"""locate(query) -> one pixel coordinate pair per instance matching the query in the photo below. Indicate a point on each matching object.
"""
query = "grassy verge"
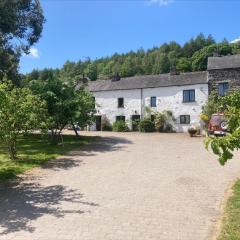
(34, 150)
(231, 220)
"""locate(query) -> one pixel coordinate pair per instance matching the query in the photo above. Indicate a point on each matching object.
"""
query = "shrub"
(135, 125)
(106, 125)
(213, 105)
(164, 122)
(107, 128)
(192, 131)
(146, 125)
(120, 126)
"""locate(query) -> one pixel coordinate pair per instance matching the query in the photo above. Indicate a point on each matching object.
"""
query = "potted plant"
(192, 131)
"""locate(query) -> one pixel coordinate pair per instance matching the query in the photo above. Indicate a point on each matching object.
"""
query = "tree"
(21, 25)
(91, 71)
(20, 112)
(157, 60)
(213, 105)
(224, 147)
(194, 45)
(184, 65)
(65, 104)
(200, 58)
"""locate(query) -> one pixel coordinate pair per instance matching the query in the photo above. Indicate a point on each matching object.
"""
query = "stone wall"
(224, 75)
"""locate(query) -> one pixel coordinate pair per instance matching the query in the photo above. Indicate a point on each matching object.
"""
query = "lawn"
(231, 221)
(34, 150)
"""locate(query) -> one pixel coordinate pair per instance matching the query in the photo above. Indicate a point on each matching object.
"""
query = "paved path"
(126, 186)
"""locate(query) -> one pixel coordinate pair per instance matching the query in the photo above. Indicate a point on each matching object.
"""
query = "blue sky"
(77, 29)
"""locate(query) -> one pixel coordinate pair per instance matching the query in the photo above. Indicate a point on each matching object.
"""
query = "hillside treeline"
(191, 56)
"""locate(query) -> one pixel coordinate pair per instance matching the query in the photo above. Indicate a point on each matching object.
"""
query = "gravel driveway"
(125, 186)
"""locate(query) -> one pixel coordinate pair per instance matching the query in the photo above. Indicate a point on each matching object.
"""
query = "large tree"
(21, 24)
(65, 104)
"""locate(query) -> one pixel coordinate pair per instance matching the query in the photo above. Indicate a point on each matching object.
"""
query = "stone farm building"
(184, 94)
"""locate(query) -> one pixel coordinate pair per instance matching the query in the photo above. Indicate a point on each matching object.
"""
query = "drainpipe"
(141, 103)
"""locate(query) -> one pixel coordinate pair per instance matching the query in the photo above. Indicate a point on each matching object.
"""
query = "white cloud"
(160, 2)
(33, 53)
(235, 40)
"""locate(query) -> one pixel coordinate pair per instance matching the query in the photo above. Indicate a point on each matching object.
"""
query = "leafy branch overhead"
(21, 26)
(224, 147)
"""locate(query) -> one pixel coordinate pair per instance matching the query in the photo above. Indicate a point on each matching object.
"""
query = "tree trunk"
(56, 135)
(12, 149)
(75, 130)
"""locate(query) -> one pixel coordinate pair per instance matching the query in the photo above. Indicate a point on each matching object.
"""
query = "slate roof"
(149, 81)
(224, 62)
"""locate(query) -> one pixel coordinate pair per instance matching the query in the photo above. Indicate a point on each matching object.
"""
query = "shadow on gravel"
(100, 145)
(22, 202)
(25, 202)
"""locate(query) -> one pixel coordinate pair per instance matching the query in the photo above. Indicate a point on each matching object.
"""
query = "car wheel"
(224, 125)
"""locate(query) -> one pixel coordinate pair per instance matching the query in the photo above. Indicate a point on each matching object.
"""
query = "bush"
(213, 105)
(106, 125)
(120, 126)
(146, 125)
(164, 122)
(135, 125)
(107, 128)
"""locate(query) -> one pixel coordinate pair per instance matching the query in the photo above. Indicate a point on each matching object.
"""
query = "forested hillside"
(192, 56)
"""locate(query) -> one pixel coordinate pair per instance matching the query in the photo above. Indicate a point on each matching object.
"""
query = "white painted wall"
(168, 98)
(171, 98)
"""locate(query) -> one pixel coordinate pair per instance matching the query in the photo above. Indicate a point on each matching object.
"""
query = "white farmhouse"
(184, 94)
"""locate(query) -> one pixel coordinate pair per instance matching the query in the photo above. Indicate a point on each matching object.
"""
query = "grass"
(33, 151)
(231, 220)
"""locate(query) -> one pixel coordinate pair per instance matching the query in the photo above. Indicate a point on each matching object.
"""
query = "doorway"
(98, 123)
(135, 122)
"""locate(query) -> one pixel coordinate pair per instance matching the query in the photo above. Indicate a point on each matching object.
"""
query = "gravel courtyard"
(124, 186)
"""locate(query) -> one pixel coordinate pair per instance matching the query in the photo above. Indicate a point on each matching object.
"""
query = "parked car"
(218, 125)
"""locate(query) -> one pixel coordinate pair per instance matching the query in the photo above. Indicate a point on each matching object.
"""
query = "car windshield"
(217, 119)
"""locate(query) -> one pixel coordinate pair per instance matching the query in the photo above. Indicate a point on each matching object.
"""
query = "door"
(135, 122)
(98, 123)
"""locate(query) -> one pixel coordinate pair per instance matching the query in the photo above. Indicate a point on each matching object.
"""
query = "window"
(223, 88)
(120, 102)
(153, 101)
(120, 118)
(184, 119)
(189, 95)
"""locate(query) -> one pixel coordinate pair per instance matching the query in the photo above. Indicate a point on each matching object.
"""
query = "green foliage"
(120, 126)
(20, 111)
(224, 147)
(200, 58)
(20, 26)
(146, 125)
(35, 150)
(65, 104)
(213, 105)
(164, 121)
(153, 61)
(106, 125)
(184, 65)
(231, 220)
